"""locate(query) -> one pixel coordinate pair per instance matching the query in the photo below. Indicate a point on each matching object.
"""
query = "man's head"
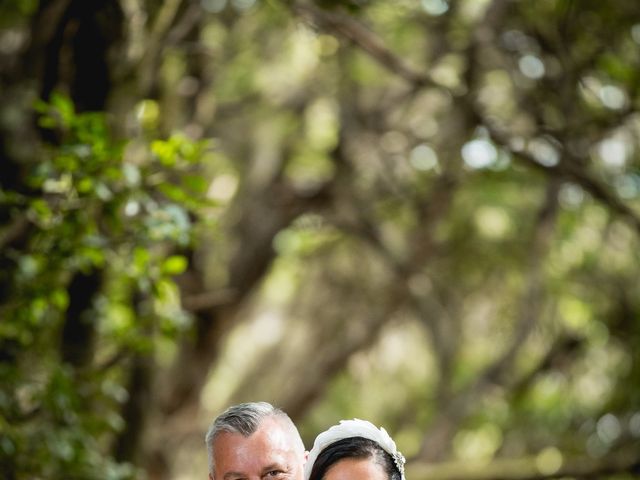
(254, 441)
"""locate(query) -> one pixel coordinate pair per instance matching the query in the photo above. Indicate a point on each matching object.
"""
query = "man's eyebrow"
(230, 475)
(274, 466)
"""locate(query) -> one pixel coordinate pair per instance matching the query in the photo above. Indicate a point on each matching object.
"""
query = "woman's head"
(354, 457)
(354, 449)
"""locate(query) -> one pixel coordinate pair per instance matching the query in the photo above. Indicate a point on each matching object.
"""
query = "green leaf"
(165, 152)
(64, 106)
(174, 265)
(195, 183)
(173, 192)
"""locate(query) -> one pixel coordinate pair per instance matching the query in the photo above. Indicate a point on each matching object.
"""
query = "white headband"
(349, 429)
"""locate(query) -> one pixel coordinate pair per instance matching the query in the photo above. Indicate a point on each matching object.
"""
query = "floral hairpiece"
(354, 428)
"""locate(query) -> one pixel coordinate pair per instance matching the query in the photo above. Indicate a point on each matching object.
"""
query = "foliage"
(421, 213)
(93, 205)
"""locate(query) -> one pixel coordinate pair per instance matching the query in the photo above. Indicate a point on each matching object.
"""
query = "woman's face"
(356, 469)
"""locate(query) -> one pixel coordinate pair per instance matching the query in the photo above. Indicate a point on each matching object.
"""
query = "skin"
(356, 469)
(273, 452)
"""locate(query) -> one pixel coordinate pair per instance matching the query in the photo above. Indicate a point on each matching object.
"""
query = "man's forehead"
(276, 427)
(269, 447)
(272, 435)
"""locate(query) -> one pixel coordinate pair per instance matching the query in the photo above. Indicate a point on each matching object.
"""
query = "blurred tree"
(423, 213)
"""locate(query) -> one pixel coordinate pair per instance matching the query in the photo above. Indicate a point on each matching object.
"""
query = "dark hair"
(353, 447)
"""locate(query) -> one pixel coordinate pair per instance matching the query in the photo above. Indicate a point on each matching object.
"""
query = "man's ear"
(210, 476)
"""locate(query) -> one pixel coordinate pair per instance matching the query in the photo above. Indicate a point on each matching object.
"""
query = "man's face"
(273, 452)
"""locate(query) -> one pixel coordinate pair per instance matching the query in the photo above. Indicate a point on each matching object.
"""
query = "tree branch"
(455, 406)
(568, 168)
(369, 42)
(351, 29)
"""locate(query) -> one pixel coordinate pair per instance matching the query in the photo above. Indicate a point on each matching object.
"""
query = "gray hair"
(244, 418)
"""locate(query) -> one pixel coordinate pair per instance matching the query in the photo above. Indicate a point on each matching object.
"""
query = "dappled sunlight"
(479, 444)
(421, 213)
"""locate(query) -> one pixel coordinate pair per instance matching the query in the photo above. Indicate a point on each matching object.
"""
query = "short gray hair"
(244, 418)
